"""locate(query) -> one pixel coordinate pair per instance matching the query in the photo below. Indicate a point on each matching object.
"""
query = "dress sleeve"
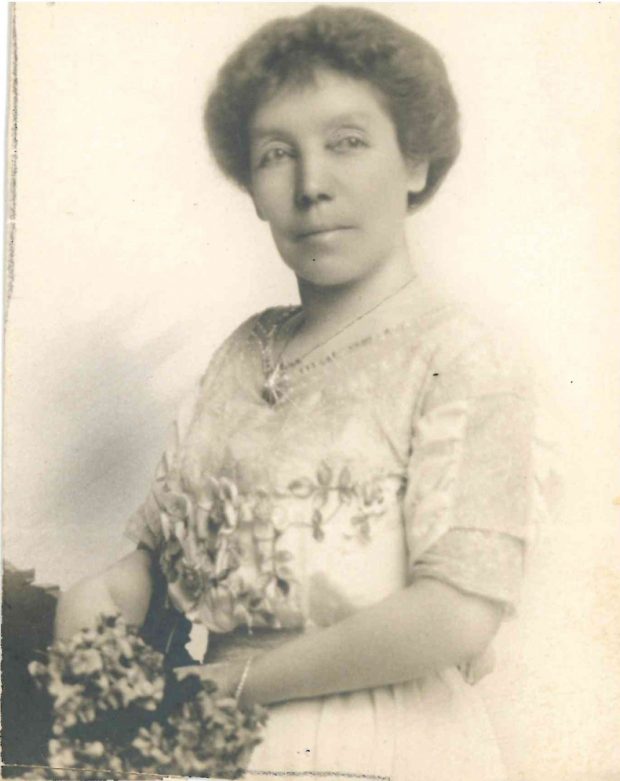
(144, 526)
(469, 496)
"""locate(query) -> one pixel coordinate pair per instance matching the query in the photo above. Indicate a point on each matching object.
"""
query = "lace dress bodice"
(409, 454)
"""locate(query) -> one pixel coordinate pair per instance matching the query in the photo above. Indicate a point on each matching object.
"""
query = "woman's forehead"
(330, 97)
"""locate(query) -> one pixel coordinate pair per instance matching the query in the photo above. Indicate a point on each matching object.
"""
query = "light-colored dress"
(407, 455)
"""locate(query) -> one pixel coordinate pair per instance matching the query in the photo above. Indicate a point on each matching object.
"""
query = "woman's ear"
(418, 175)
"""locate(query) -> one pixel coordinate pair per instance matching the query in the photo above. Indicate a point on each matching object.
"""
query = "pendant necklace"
(276, 386)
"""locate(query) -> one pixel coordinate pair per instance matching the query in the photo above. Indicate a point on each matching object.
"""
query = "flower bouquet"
(118, 712)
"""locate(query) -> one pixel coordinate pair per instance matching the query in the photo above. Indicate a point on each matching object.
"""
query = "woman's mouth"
(322, 233)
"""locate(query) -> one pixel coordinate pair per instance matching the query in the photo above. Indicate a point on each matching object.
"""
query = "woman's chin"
(326, 271)
(327, 280)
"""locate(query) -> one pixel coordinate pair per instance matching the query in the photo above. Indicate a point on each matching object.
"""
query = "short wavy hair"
(407, 71)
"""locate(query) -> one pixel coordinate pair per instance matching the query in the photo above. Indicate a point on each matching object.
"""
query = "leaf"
(228, 490)
(324, 474)
(285, 572)
(344, 479)
(165, 524)
(283, 586)
(321, 497)
(301, 488)
(346, 489)
(317, 526)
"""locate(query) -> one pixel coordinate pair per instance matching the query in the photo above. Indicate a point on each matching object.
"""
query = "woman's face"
(330, 179)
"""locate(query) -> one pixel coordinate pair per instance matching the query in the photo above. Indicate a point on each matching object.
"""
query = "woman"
(371, 447)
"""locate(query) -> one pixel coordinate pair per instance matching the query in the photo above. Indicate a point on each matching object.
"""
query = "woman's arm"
(125, 586)
(426, 627)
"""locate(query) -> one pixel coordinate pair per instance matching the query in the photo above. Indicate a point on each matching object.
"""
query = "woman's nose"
(313, 183)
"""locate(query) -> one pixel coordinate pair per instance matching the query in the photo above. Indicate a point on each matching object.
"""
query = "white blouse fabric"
(410, 454)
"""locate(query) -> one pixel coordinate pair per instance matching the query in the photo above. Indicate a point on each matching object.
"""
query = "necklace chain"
(276, 384)
(341, 330)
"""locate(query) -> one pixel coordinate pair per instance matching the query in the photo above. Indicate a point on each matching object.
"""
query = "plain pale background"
(134, 258)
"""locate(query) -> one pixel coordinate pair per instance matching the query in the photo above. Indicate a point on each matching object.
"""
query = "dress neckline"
(420, 303)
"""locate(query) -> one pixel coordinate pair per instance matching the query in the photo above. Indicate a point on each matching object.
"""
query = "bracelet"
(242, 680)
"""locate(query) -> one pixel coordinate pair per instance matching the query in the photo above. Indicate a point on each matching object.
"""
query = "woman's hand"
(425, 628)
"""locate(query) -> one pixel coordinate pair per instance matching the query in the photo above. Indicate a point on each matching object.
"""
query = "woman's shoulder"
(264, 320)
(241, 341)
(441, 322)
(461, 341)
(455, 327)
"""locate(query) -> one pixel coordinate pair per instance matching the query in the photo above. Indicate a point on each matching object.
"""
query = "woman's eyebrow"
(349, 118)
(260, 135)
(357, 118)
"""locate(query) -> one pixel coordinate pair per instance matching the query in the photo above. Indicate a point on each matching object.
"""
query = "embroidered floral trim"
(221, 550)
(329, 493)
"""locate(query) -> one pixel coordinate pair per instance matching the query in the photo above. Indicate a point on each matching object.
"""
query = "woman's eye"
(349, 142)
(274, 155)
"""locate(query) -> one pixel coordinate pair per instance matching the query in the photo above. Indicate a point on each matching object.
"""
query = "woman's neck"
(326, 308)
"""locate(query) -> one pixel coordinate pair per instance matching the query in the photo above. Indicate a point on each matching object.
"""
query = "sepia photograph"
(311, 392)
